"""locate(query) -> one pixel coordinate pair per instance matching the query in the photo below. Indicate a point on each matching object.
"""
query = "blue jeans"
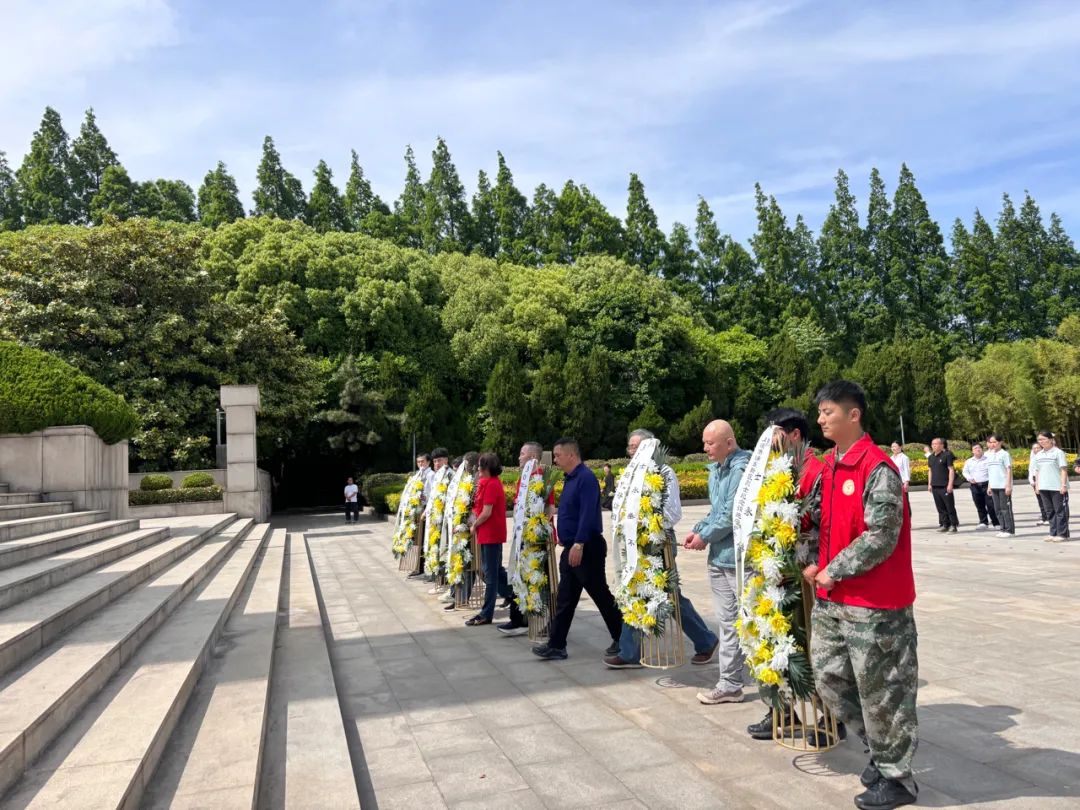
(495, 581)
(693, 625)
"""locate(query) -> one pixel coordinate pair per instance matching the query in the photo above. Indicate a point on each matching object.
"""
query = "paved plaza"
(442, 715)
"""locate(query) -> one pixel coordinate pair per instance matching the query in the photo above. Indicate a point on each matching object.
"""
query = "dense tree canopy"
(502, 317)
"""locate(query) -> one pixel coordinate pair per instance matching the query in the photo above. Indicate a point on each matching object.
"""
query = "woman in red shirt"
(489, 528)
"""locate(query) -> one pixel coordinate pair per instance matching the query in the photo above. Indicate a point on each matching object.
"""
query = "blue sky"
(979, 98)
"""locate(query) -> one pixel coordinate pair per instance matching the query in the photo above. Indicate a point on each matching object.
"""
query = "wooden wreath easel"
(540, 623)
(665, 649)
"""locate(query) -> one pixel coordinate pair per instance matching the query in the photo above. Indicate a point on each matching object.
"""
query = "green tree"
(485, 223)
(918, 292)
(10, 205)
(644, 242)
(219, 199)
(587, 394)
(325, 210)
(685, 436)
(582, 226)
(446, 224)
(539, 228)
(91, 155)
(44, 186)
(115, 196)
(506, 421)
(875, 237)
(171, 200)
(360, 201)
(774, 254)
(651, 420)
(278, 193)
(680, 259)
(845, 298)
(981, 300)
(511, 214)
(409, 207)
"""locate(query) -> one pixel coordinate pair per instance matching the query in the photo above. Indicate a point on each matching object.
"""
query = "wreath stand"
(471, 590)
(665, 649)
(540, 623)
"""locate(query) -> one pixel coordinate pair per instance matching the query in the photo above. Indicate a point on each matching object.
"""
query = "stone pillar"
(242, 495)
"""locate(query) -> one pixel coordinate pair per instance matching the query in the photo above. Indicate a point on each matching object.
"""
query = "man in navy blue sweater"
(581, 565)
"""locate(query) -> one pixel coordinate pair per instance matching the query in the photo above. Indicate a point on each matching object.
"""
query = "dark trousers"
(590, 577)
(946, 507)
(1057, 506)
(983, 504)
(1003, 507)
(1043, 509)
(495, 581)
(352, 508)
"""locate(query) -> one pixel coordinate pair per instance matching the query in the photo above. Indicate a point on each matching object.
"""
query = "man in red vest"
(863, 639)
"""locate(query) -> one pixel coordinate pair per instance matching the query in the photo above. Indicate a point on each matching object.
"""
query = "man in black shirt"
(942, 478)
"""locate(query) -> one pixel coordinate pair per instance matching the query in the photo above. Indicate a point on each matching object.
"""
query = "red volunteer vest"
(889, 586)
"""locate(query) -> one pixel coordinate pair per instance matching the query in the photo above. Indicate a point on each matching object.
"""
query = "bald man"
(727, 463)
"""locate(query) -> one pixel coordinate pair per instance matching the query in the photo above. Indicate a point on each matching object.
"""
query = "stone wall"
(68, 464)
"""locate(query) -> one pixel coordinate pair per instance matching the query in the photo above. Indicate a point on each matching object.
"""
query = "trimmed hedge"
(376, 487)
(155, 482)
(138, 497)
(197, 480)
(38, 391)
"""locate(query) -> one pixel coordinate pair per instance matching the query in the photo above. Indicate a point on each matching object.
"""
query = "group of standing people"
(989, 476)
(857, 560)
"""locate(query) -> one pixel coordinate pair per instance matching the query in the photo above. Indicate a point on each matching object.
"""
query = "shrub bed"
(197, 480)
(38, 391)
(137, 497)
(155, 482)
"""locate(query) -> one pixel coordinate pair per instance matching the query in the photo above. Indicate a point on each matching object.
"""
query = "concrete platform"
(442, 715)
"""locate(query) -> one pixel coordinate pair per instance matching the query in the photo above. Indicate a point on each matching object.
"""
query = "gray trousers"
(733, 669)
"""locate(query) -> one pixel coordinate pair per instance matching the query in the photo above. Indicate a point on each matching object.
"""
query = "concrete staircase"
(178, 663)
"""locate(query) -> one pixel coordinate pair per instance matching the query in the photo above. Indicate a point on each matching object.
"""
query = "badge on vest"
(848, 488)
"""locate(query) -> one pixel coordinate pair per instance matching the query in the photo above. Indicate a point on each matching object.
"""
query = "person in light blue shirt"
(1052, 481)
(728, 462)
(999, 483)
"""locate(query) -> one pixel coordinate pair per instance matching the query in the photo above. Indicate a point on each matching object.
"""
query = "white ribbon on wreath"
(520, 508)
(625, 509)
(744, 512)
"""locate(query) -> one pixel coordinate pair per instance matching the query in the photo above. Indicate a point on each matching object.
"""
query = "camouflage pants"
(867, 672)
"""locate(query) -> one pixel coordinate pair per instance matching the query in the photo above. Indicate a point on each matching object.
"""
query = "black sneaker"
(884, 794)
(613, 649)
(763, 729)
(870, 774)
(954, 529)
(507, 602)
(549, 653)
(451, 606)
(943, 529)
(415, 574)
(511, 629)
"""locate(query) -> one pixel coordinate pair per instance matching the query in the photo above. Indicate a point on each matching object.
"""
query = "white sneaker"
(1055, 539)
(1050, 539)
(1003, 535)
(435, 590)
(447, 597)
(982, 527)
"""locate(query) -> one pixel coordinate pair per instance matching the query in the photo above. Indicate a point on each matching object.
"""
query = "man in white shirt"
(977, 474)
(999, 485)
(695, 628)
(427, 475)
(903, 464)
(352, 505)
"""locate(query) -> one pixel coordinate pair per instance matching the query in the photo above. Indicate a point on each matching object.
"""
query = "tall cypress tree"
(485, 226)
(115, 196)
(539, 228)
(644, 241)
(170, 200)
(360, 200)
(219, 199)
(981, 302)
(918, 276)
(409, 207)
(711, 246)
(91, 155)
(10, 206)
(843, 287)
(680, 257)
(446, 224)
(875, 238)
(511, 212)
(325, 210)
(278, 193)
(1063, 263)
(772, 244)
(582, 226)
(44, 176)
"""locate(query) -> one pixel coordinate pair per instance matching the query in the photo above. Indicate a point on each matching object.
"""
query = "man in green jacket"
(715, 533)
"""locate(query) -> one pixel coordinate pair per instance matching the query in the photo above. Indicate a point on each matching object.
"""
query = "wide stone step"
(24, 549)
(9, 498)
(14, 529)
(37, 576)
(110, 752)
(307, 761)
(18, 511)
(213, 756)
(39, 699)
(28, 626)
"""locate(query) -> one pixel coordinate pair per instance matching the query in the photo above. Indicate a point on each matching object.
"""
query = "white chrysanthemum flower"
(770, 567)
(775, 594)
(779, 465)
